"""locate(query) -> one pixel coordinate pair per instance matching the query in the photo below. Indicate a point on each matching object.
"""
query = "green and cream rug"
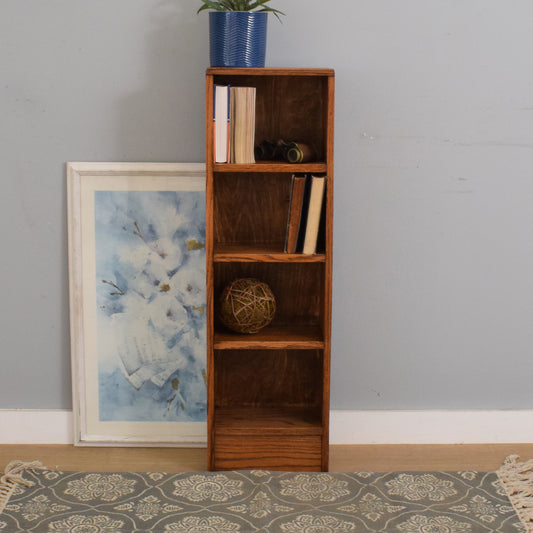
(34, 499)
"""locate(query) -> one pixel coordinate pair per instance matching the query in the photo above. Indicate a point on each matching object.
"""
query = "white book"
(221, 119)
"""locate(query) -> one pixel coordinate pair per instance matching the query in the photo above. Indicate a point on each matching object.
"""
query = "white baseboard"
(431, 427)
(347, 427)
(22, 426)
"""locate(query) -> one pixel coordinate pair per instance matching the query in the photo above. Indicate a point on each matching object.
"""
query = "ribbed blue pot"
(237, 38)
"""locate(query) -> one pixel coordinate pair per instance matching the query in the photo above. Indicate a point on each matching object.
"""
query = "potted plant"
(237, 31)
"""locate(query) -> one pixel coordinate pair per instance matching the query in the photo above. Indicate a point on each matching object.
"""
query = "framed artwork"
(137, 302)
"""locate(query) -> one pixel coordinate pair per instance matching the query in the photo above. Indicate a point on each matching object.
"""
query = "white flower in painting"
(307, 487)
(195, 524)
(200, 487)
(190, 285)
(167, 316)
(166, 220)
(105, 487)
(317, 524)
(86, 524)
(3, 525)
(159, 256)
(418, 487)
(437, 524)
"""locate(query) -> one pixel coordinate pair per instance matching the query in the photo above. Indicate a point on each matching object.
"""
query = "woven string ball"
(247, 305)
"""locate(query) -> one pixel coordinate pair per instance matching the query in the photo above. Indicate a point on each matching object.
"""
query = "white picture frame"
(136, 234)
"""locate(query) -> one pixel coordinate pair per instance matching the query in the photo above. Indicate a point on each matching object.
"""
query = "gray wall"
(433, 284)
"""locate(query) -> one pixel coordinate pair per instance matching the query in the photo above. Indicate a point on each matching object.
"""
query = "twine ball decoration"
(247, 305)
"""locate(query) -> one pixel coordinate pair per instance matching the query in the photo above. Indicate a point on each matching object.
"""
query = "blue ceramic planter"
(237, 38)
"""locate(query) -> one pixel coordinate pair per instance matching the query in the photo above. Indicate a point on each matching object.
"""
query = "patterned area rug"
(34, 499)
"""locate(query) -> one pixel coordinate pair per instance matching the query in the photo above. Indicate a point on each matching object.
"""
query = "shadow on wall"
(165, 120)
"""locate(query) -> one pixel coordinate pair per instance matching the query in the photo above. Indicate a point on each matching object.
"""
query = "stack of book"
(234, 124)
(306, 214)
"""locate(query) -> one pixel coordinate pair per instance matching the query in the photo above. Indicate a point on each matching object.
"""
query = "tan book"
(316, 197)
(242, 125)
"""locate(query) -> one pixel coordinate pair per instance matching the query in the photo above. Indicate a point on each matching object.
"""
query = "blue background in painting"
(150, 282)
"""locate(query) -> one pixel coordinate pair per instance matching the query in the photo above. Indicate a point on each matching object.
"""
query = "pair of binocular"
(292, 151)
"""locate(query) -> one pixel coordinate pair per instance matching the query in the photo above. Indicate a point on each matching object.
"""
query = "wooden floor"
(377, 458)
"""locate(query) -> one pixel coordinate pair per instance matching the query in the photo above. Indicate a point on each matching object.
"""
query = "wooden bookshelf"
(268, 393)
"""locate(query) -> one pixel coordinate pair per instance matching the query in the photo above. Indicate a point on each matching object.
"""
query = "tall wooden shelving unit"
(268, 393)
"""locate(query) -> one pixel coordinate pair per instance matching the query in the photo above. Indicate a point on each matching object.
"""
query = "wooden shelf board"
(250, 420)
(272, 166)
(270, 71)
(273, 338)
(240, 253)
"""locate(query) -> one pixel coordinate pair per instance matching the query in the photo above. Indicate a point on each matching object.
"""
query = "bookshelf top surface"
(269, 71)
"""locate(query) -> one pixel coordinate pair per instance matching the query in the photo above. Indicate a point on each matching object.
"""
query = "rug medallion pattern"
(259, 501)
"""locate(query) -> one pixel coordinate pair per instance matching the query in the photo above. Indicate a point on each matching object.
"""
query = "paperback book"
(234, 124)
(306, 214)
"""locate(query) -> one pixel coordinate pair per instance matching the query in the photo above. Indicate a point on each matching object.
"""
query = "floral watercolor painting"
(137, 298)
(150, 297)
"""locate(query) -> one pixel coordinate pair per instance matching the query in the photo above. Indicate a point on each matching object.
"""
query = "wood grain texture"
(272, 337)
(346, 458)
(251, 209)
(209, 248)
(272, 166)
(258, 421)
(268, 378)
(274, 451)
(327, 279)
(291, 72)
(262, 253)
(287, 365)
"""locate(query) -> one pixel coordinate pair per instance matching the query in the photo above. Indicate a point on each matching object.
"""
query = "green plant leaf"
(240, 5)
(209, 4)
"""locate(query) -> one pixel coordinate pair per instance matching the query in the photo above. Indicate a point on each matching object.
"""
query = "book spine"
(316, 198)
(291, 209)
(214, 123)
(220, 111)
(303, 216)
(228, 119)
(295, 211)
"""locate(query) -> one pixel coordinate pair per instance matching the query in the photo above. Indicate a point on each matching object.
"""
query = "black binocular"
(290, 151)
